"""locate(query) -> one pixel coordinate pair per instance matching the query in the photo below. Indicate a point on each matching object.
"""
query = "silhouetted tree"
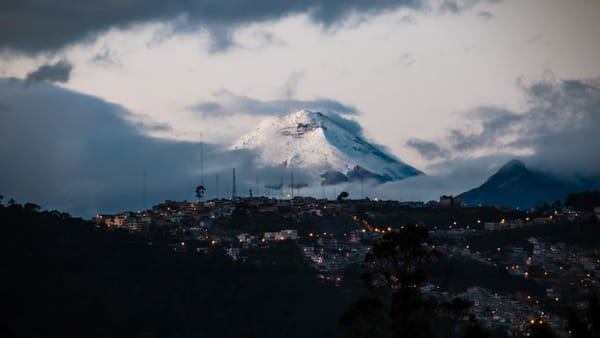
(588, 324)
(540, 329)
(395, 261)
(454, 309)
(393, 275)
(474, 330)
(200, 192)
(31, 207)
(365, 319)
(342, 196)
(584, 201)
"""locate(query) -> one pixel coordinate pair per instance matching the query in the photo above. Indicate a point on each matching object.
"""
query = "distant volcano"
(516, 186)
(320, 145)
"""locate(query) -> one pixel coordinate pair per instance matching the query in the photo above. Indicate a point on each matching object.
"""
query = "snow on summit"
(322, 145)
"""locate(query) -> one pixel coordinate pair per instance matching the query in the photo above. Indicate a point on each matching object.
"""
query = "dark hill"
(62, 277)
(516, 186)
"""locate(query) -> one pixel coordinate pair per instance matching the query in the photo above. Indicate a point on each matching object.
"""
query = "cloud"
(559, 130)
(447, 178)
(32, 26)
(406, 60)
(459, 6)
(106, 58)
(228, 104)
(535, 38)
(80, 154)
(58, 72)
(291, 85)
(427, 149)
(485, 15)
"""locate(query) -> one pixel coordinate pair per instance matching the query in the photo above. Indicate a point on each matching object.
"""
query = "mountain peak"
(513, 165)
(313, 141)
(514, 185)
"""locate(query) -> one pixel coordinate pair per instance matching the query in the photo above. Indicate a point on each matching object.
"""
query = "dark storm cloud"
(560, 127)
(58, 72)
(34, 26)
(80, 154)
(228, 104)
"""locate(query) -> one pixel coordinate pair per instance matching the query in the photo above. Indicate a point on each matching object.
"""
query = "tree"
(342, 196)
(588, 324)
(364, 319)
(393, 275)
(474, 330)
(31, 207)
(540, 329)
(395, 262)
(200, 192)
(454, 309)
(584, 201)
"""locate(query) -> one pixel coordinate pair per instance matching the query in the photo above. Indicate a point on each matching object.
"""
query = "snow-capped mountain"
(323, 146)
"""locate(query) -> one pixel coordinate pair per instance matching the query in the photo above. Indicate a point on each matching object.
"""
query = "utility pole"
(201, 161)
(233, 192)
(281, 188)
(362, 189)
(144, 189)
(217, 182)
(292, 179)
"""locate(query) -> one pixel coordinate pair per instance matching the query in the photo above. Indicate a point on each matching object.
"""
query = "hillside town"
(335, 235)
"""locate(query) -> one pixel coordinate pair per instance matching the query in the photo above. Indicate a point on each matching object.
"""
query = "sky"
(92, 95)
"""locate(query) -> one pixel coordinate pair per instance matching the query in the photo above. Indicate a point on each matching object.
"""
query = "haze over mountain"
(516, 186)
(326, 146)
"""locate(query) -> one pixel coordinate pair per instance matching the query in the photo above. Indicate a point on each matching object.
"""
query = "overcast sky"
(440, 83)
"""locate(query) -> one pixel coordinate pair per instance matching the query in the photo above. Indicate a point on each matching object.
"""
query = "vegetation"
(62, 277)
(200, 192)
(394, 272)
(584, 201)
